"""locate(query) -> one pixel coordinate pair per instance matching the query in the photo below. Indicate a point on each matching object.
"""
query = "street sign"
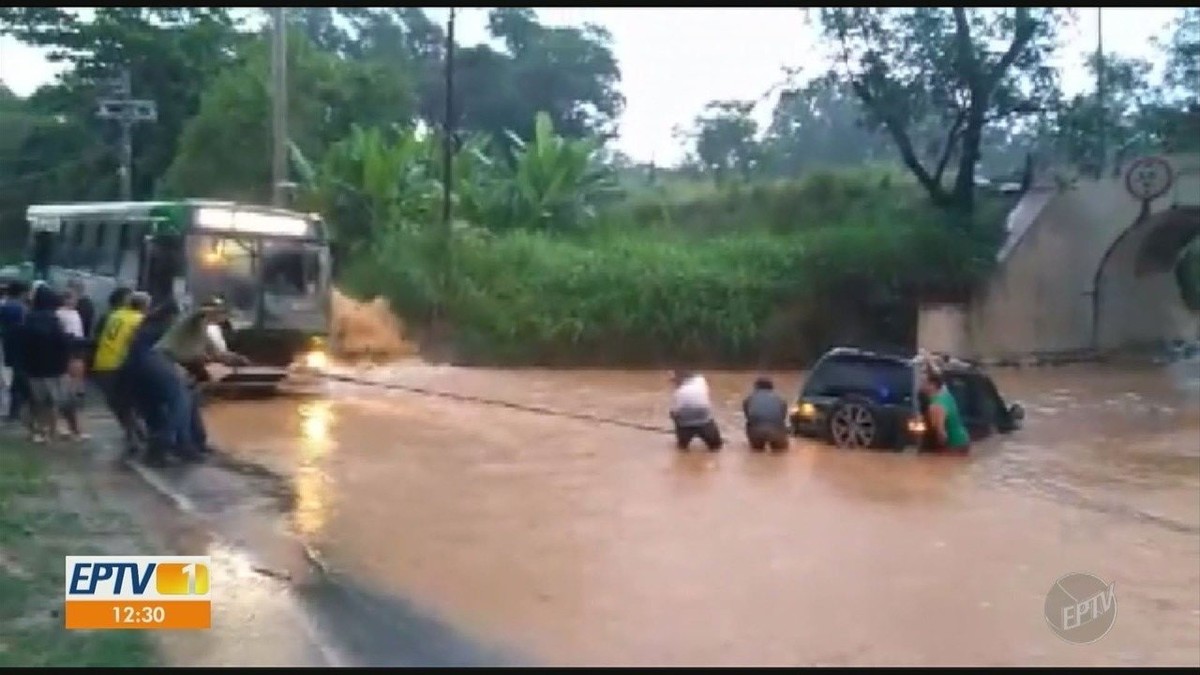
(135, 110)
(1149, 178)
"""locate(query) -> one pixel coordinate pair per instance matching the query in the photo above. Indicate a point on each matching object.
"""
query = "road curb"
(330, 654)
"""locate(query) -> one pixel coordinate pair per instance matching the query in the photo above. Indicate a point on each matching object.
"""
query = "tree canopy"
(946, 93)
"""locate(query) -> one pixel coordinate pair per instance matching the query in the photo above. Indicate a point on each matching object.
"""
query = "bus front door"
(162, 267)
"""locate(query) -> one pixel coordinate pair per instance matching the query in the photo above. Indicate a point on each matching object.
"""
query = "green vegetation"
(835, 257)
(1187, 274)
(37, 529)
(858, 197)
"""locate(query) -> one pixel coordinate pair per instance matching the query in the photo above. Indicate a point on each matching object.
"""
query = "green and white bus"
(271, 266)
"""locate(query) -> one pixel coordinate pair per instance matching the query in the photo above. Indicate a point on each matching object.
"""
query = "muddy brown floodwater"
(579, 543)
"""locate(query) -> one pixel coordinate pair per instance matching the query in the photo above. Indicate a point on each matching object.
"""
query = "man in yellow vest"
(112, 345)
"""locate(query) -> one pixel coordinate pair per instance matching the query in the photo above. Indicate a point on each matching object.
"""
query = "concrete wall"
(1138, 309)
(1040, 297)
(941, 327)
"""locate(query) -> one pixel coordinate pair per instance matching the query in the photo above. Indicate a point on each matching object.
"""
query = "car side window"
(977, 399)
(832, 376)
(817, 380)
(850, 375)
(991, 407)
(960, 388)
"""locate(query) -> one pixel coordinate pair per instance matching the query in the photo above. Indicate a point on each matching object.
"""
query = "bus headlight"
(316, 360)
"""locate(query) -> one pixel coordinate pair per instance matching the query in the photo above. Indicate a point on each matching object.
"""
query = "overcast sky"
(673, 61)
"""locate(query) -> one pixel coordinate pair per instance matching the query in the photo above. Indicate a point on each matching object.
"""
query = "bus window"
(66, 246)
(226, 267)
(84, 253)
(77, 232)
(43, 253)
(105, 261)
(124, 235)
(290, 268)
(163, 265)
(129, 249)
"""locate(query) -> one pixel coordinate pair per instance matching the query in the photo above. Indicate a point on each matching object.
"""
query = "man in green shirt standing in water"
(946, 427)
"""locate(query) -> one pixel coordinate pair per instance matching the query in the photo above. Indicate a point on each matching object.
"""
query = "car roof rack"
(944, 361)
(881, 352)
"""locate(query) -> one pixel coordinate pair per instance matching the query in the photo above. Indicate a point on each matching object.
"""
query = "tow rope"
(465, 398)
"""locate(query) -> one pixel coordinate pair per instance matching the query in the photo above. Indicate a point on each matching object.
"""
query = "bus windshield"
(290, 268)
(279, 280)
(228, 267)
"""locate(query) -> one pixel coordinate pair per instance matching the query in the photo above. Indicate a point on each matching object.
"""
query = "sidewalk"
(257, 617)
(44, 516)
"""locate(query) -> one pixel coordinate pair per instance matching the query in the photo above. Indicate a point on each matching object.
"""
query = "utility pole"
(127, 111)
(448, 129)
(279, 173)
(447, 274)
(1100, 100)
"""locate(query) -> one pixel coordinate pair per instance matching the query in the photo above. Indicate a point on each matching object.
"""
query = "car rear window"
(889, 380)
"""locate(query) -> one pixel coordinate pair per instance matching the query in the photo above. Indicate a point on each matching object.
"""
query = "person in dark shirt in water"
(766, 417)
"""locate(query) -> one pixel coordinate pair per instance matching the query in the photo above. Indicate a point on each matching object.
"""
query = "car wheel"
(853, 424)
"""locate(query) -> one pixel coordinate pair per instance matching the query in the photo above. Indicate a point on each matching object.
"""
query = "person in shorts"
(73, 323)
(47, 349)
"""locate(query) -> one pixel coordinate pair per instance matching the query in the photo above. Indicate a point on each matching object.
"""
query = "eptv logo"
(137, 592)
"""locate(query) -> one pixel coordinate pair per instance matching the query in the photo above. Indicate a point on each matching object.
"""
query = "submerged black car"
(857, 398)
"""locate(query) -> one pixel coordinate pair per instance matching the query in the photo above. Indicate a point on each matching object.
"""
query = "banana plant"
(554, 182)
(376, 178)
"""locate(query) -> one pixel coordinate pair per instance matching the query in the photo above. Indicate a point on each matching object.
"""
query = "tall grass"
(631, 294)
(820, 198)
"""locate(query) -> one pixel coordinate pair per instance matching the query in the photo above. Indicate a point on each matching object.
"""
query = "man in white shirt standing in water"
(691, 411)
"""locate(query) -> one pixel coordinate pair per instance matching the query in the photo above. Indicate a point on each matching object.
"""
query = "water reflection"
(315, 418)
(311, 480)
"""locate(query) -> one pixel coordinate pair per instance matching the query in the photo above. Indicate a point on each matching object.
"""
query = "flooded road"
(582, 543)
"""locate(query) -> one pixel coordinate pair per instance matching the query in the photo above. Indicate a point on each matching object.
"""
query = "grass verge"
(44, 517)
